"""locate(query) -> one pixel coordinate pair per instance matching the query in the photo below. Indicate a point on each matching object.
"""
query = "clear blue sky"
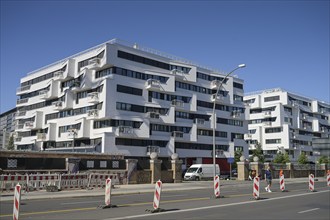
(283, 43)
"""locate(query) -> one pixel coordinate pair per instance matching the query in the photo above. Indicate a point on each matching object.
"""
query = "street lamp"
(213, 112)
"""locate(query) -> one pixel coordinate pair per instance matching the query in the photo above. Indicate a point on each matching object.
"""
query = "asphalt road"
(237, 203)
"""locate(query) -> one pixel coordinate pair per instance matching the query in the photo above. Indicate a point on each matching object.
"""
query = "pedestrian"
(268, 178)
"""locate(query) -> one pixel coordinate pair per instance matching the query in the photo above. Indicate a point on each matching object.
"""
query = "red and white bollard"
(328, 179)
(311, 182)
(108, 192)
(256, 188)
(158, 190)
(107, 198)
(17, 200)
(217, 186)
(282, 185)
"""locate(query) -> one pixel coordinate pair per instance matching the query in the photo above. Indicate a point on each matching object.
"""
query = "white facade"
(280, 120)
(123, 99)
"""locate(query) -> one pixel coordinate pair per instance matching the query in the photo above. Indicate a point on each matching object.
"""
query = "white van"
(201, 171)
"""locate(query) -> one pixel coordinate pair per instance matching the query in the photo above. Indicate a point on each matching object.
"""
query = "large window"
(273, 141)
(116, 123)
(129, 90)
(144, 60)
(272, 98)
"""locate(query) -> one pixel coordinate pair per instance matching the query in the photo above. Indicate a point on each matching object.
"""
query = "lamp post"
(213, 112)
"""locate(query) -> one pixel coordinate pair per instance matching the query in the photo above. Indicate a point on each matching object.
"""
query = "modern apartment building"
(7, 127)
(284, 121)
(121, 98)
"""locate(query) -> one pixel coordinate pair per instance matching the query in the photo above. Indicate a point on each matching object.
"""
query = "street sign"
(230, 160)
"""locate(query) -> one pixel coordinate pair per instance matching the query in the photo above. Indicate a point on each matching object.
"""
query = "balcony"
(177, 103)
(178, 73)
(19, 126)
(93, 97)
(153, 115)
(58, 105)
(267, 114)
(18, 139)
(152, 84)
(267, 123)
(59, 75)
(75, 86)
(29, 124)
(92, 114)
(44, 94)
(124, 131)
(236, 114)
(177, 134)
(219, 98)
(22, 89)
(199, 121)
(152, 149)
(41, 136)
(20, 114)
(94, 64)
(22, 101)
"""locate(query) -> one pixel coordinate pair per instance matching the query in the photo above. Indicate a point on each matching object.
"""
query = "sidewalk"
(139, 188)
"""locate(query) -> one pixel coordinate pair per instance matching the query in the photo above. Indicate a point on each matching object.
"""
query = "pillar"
(155, 167)
(176, 168)
(242, 169)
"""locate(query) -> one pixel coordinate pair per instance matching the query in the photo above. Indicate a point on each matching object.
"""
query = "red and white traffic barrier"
(8, 182)
(96, 180)
(282, 185)
(74, 181)
(40, 181)
(328, 179)
(256, 188)
(158, 190)
(108, 192)
(311, 182)
(17, 201)
(217, 186)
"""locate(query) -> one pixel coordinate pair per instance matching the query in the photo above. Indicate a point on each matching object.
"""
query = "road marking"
(169, 196)
(73, 203)
(309, 210)
(215, 206)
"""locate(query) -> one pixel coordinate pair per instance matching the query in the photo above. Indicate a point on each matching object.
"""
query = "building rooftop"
(135, 46)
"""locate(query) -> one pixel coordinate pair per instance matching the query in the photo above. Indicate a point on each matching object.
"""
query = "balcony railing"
(152, 84)
(178, 103)
(93, 97)
(58, 75)
(152, 149)
(23, 88)
(218, 98)
(93, 113)
(125, 130)
(29, 124)
(41, 136)
(94, 63)
(20, 113)
(57, 105)
(44, 94)
(177, 134)
(22, 101)
(178, 73)
(153, 115)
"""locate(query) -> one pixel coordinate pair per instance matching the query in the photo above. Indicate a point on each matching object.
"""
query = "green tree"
(11, 143)
(282, 158)
(258, 152)
(237, 157)
(323, 159)
(302, 159)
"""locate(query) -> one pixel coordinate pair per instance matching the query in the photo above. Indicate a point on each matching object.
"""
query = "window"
(273, 141)
(271, 98)
(144, 60)
(238, 85)
(129, 90)
(273, 130)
